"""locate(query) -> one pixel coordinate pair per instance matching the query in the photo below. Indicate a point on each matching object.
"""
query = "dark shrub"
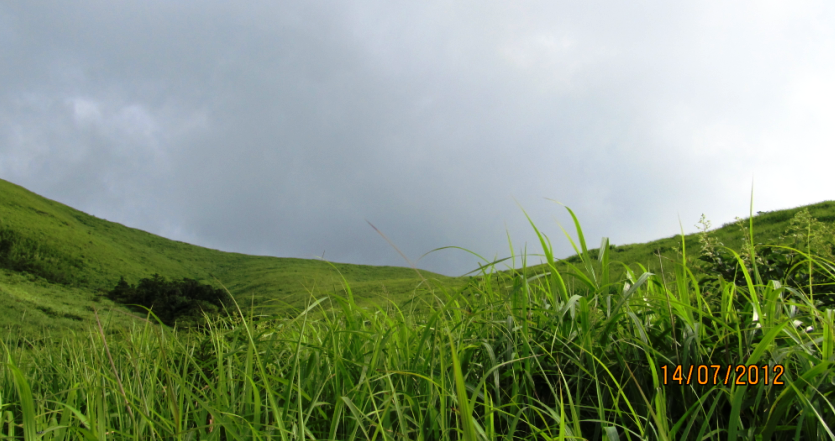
(182, 301)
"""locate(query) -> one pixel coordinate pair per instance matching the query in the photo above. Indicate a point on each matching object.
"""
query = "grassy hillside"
(769, 228)
(58, 262)
(581, 354)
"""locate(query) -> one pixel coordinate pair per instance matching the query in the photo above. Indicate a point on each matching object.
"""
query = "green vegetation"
(682, 338)
(173, 302)
(23, 254)
(57, 265)
(584, 348)
(771, 228)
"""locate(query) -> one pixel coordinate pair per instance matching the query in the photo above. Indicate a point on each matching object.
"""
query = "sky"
(285, 128)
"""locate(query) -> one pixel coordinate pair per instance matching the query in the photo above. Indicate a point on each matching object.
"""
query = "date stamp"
(713, 374)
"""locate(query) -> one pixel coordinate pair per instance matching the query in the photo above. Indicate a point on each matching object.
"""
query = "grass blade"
(27, 404)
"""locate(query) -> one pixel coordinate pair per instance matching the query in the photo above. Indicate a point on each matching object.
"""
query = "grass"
(653, 255)
(579, 349)
(56, 260)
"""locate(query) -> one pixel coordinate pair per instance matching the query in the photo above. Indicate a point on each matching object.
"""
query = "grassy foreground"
(561, 354)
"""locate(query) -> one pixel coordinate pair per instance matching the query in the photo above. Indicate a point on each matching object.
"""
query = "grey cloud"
(279, 128)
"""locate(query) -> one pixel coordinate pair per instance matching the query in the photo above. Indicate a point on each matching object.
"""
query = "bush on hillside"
(174, 302)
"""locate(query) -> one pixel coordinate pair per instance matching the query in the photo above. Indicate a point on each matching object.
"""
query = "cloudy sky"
(279, 128)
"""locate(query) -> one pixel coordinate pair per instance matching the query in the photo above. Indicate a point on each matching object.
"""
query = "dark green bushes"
(181, 302)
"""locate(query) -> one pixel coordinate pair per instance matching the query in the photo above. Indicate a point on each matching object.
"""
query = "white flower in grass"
(798, 323)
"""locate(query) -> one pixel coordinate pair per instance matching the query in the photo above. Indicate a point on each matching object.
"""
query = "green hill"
(517, 355)
(56, 264)
(769, 229)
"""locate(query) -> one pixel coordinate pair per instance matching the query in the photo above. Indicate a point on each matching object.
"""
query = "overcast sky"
(279, 128)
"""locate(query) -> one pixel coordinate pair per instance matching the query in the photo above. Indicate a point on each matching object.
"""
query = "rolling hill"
(769, 229)
(56, 264)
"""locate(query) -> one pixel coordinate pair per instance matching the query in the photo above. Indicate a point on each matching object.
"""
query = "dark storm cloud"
(280, 128)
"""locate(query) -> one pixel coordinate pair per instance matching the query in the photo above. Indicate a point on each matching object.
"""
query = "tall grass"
(557, 355)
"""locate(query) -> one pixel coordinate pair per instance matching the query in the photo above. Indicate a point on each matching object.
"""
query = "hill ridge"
(51, 249)
(82, 256)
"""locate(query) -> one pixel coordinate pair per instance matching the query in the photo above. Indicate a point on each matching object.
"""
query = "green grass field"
(631, 342)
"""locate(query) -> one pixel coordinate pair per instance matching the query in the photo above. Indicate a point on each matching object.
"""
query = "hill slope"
(57, 262)
(768, 229)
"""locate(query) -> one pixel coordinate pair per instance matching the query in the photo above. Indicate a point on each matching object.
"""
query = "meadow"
(687, 339)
